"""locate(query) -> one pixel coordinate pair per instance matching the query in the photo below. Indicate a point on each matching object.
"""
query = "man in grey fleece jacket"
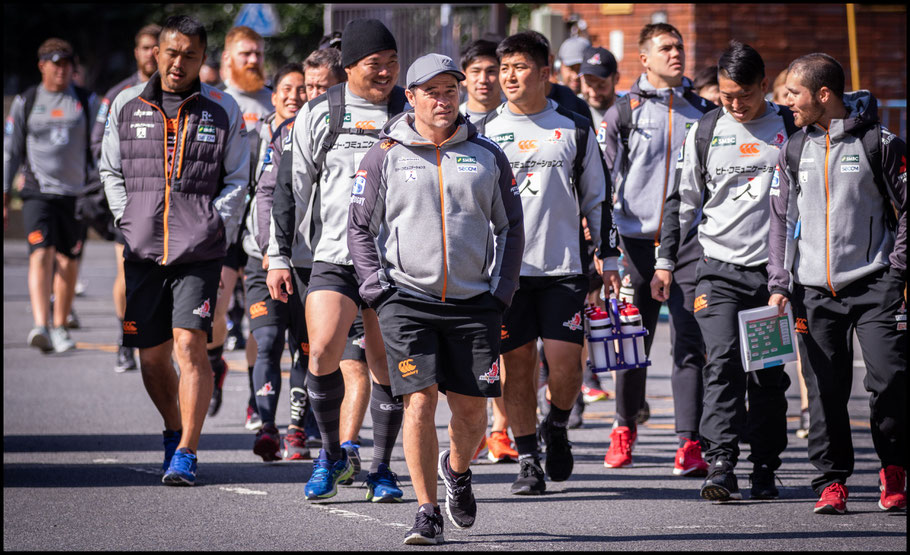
(837, 255)
(436, 235)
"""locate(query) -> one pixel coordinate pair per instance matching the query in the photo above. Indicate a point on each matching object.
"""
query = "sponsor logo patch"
(726, 140)
(35, 237)
(556, 137)
(407, 367)
(368, 124)
(204, 310)
(575, 323)
(802, 326)
(140, 132)
(901, 317)
(206, 117)
(701, 302)
(266, 390)
(129, 327)
(205, 133)
(850, 159)
(466, 169)
(360, 182)
(779, 139)
(411, 176)
(749, 149)
(504, 138)
(57, 113)
(527, 146)
(492, 374)
(504, 333)
(849, 168)
(258, 309)
(140, 113)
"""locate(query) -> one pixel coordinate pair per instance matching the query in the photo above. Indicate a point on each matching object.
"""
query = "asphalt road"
(82, 451)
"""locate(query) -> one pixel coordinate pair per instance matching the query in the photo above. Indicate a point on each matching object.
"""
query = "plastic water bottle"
(601, 353)
(630, 322)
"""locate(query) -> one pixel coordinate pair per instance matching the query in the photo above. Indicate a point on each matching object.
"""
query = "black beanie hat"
(363, 37)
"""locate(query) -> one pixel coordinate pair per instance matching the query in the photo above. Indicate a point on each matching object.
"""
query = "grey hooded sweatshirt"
(436, 221)
(643, 176)
(828, 223)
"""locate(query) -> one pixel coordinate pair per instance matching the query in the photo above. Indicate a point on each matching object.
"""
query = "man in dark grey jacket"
(175, 163)
(435, 233)
(840, 255)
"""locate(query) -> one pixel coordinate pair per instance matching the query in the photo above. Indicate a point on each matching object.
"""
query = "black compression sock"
(387, 412)
(326, 394)
(527, 446)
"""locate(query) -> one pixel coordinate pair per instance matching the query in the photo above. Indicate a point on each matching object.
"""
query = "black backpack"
(705, 132)
(335, 97)
(872, 144)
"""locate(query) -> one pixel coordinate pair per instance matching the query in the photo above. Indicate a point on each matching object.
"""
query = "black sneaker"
(720, 485)
(530, 478)
(559, 461)
(762, 480)
(460, 504)
(427, 528)
(126, 360)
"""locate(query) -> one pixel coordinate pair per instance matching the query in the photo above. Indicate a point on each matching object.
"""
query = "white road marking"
(244, 491)
(351, 514)
(104, 461)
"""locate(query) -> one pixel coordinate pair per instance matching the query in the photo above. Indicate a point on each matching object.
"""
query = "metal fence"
(420, 29)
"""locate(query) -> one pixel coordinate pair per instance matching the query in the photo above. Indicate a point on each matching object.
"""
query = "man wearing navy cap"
(599, 75)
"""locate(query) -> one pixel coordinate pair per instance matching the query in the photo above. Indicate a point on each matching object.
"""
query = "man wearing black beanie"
(325, 156)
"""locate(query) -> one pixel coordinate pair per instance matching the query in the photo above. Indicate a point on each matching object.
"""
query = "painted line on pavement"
(351, 514)
(243, 491)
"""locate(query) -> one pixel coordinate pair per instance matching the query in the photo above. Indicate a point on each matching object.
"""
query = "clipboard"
(766, 339)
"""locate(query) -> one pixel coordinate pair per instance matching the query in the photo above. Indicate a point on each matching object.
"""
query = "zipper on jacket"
(442, 213)
(827, 213)
(663, 199)
(168, 172)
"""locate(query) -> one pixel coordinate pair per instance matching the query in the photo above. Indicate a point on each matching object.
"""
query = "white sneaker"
(61, 340)
(40, 339)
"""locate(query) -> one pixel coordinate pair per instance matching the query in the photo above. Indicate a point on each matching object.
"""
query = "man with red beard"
(242, 61)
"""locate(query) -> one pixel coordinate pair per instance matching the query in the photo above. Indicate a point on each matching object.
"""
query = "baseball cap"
(429, 66)
(598, 61)
(572, 50)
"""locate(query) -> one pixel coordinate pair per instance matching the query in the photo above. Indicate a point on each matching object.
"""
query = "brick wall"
(780, 32)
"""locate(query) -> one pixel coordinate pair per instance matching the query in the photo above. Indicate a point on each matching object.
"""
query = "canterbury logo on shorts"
(258, 309)
(129, 328)
(35, 237)
(802, 326)
(701, 302)
(407, 367)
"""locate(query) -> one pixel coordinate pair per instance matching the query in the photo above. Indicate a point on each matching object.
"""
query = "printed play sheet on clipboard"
(766, 339)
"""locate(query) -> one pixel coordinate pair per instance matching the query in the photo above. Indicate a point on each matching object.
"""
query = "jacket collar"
(152, 90)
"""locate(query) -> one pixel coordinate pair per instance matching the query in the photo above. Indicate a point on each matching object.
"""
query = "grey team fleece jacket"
(831, 229)
(443, 222)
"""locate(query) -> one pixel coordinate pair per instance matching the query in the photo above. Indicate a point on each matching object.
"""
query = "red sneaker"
(689, 462)
(894, 488)
(833, 500)
(481, 449)
(500, 447)
(620, 452)
(295, 448)
(594, 394)
(268, 442)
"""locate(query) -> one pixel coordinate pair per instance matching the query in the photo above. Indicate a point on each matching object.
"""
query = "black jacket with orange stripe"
(179, 212)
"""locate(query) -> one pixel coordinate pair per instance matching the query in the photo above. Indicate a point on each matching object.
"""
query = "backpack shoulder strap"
(872, 144)
(335, 97)
(29, 97)
(397, 101)
(703, 105)
(793, 154)
(789, 123)
(703, 135)
(481, 124)
(85, 98)
(624, 108)
(582, 128)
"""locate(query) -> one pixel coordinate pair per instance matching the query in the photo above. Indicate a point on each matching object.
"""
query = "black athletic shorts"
(354, 350)
(265, 311)
(160, 298)
(336, 277)
(454, 344)
(50, 221)
(545, 307)
(235, 257)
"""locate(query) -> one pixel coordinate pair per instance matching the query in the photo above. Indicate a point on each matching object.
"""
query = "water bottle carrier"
(614, 342)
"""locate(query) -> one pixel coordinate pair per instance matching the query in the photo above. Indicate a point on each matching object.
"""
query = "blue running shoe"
(354, 456)
(182, 470)
(171, 441)
(382, 486)
(326, 475)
